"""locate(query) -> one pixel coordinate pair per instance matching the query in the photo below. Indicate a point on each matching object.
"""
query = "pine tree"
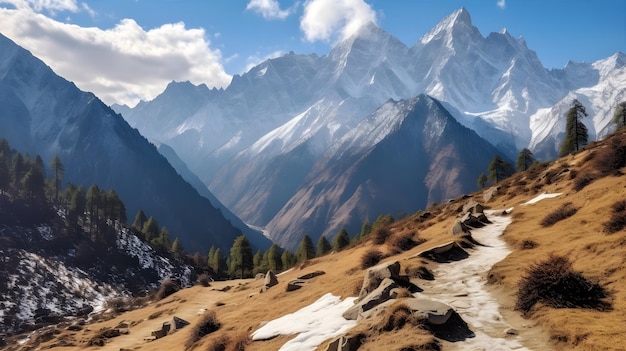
(241, 256)
(5, 165)
(576, 133)
(93, 204)
(218, 262)
(525, 159)
(499, 169)
(115, 207)
(58, 171)
(366, 229)
(78, 203)
(150, 229)
(18, 170)
(274, 258)
(323, 246)
(619, 117)
(256, 261)
(210, 255)
(34, 184)
(383, 220)
(288, 259)
(306, 250)
(342, 239)
(140, 220)
(482, 181)
(177, 247)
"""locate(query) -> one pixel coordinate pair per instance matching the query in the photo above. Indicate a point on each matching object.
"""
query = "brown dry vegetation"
(598, 256)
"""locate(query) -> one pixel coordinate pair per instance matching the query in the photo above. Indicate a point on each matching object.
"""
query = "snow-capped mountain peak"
(453, 25)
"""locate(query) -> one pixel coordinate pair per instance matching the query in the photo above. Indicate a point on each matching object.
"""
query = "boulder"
(381, 294)
(459, 228)
(490, 193)
(177, 323)
(259, 276)
(433, 312)
(471, 221)
(270, 280)
(295, 285)
(165, 329)
(483, 219)
(448, 252)
(311, 275)
(473, 207)
(375, 275)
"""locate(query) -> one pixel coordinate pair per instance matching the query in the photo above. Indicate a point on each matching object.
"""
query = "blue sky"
(126, 50)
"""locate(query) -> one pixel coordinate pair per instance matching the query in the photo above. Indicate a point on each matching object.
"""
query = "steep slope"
(405, 156)
(98, 146)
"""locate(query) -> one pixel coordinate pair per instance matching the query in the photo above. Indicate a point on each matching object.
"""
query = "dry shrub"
(583, 180)
(380, 235)
(554, 283)
(167, 288)
(565, 211)
(396, 317)
(219, 344)
(371, 258)
(207, 324)
(404, 242)
(612, 157)
(433, 345)
(204, 280)
(402, 293)
(125, 304)
(528, 245)
(239, 343)
(618, 218)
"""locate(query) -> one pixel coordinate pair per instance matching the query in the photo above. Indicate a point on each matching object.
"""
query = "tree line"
(576, 137)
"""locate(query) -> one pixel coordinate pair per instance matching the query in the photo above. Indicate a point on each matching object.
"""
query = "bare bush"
(582, 180)
(404, 242)
(204, 280)
(563, 212)
(207, 324)
(167, 288)
(554, 283)
(371, 258)
(380, 235)
(617, 221)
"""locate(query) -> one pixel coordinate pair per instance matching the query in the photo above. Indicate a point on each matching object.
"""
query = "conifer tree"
(58, 171)
(619, 117)
(274, 258)
(79, 202)
(256, 261)
(241, 256)
(218, 263)
(576, 133)
(210, 255)
(366, 229)
(525, 159)
(288, 259)
(323, 246)
(150, 229)
(34, 184)
(5, 165)
(18, 170)
(140, 220)
(177, 247)
(499, 169)
(306, 250)
(342, 239)
(482, 181)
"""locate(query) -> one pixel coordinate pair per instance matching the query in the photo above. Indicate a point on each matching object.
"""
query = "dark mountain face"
(97, 146)
(404, 156)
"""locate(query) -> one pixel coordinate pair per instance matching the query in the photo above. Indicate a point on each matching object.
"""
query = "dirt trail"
(462, 285)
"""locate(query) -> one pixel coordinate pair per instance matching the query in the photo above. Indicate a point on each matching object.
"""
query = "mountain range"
(42, 113)
(269, 145)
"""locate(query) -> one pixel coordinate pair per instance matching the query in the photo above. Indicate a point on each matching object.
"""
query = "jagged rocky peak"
(453, 25)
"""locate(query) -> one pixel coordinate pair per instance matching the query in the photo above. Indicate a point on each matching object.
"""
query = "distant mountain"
(44, 114)
(403, 157)
(256, 143)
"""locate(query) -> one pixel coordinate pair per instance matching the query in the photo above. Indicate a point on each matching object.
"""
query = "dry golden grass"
(599, 256)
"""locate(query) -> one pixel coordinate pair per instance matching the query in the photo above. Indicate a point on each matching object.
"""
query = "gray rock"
(381, 294)
(473, 207)
(270, 279)
(311, 275)
(490, 193)
(259, 276)
(459, 228)
(295, 285)
(433, 312)
(375, 275)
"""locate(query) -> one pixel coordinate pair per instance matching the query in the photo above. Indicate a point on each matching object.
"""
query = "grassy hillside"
(585, 182)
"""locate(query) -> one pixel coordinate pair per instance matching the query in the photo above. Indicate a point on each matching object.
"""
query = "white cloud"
(121, 64)
(51, 6)
(254, 60)
(331, 20)
(270, 9)
(501, 4)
